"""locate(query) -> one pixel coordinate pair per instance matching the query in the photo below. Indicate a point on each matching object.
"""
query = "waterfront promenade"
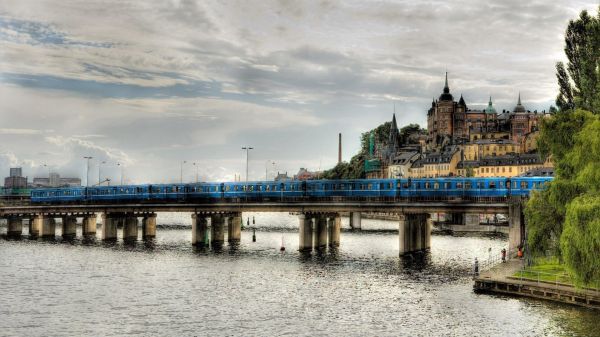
(501, 279)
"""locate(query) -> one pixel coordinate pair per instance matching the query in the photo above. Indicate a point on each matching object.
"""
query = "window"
(436, 186)
(370, 186)
(492, 184)
(459, 185)
(523, 185)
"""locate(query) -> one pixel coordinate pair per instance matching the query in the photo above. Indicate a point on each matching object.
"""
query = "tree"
(579, 81)
(565, 217)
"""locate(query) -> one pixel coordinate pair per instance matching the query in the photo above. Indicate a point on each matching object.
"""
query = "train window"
(370, 186)
(436, 186)
(523, 185)
(390, 186)
(251, 188)
(507, 184)
(447, 186)
(342, 186)
(417, 185)
(480, 184)
(492, 184)
(459, 185)
(514, 184)
(427, 185)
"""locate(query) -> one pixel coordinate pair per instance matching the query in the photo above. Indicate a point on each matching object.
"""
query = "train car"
(58, 195)
(118, 193)
(522, 186)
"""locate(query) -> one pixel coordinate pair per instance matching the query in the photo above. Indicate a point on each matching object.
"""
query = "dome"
(490, 108)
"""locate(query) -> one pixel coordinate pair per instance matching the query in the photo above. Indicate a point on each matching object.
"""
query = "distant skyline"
(149, 85)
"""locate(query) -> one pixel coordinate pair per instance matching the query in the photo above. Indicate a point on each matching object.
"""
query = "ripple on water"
(84, 287)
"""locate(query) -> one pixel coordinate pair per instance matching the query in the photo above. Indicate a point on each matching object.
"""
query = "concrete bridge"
(319, 221)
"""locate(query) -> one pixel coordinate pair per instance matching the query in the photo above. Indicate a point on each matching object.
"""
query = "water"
(169, 288)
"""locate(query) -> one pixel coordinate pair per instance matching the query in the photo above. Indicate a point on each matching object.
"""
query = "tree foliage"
(579, 80)
(355, 169)
(565, 217)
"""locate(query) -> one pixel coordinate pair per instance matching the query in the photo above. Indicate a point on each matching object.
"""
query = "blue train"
(358, 189)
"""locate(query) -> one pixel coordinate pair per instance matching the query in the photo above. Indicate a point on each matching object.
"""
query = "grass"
(546, 269)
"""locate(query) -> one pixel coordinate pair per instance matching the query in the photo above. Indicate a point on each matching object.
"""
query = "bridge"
(319, 220)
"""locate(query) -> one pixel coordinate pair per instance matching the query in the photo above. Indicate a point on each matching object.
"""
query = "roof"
(495, 141)
(518, 159)
(539, 172)
(519, 107)
(490, 108)
(405, 158)
(446, 96)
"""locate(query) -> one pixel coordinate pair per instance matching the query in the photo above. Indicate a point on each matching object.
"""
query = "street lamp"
(247, 148)
(181, 172)
(196, 164)
(266, 164)
(87, 171)
(121, 166)
(99, 171)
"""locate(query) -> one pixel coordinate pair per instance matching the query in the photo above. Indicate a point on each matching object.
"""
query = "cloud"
(155, 83)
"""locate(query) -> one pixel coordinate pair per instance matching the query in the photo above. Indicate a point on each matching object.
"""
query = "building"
(15, 179)
(452, 122)
(304, 174)
(502, 166)
(401, 164)
(437, 164)
(282, 177)
(488, 148)
(54, 180)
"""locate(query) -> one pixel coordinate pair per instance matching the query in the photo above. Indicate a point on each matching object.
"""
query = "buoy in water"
(282, 248)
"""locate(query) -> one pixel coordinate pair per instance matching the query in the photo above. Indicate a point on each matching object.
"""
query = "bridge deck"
(355, 206)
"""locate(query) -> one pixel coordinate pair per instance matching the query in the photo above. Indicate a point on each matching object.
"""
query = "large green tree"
(579, 79)
(565, 217)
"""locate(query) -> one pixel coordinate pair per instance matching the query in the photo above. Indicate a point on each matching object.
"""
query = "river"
(168, 288)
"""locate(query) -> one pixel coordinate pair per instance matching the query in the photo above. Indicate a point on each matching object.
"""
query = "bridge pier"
(109, 226)
(320, 231)
(516, 228)
(217, 223)
(414, 233)
(306, 234)
(234, 228)
(69, 226)
(34, 230)
(355, 220)
(335, 225)
(46, 226)
(130, 228)
(199, 230)
(15, 226)
(88, 225)
(149, 226)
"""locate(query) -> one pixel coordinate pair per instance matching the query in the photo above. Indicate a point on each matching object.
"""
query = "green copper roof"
(490, 108)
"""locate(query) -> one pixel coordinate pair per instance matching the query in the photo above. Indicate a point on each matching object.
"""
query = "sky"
(162, 91)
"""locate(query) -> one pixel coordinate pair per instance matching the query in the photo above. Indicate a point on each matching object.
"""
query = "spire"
(446, 88)
(461, 101)
(519, 102)
(490, 102)
(394, 120)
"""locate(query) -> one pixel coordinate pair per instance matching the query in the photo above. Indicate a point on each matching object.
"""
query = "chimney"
(340, 148)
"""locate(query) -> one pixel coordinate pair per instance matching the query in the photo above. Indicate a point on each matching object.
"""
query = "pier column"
(199, 230)
(149, 226)
(516, 230)
(34, 229)
(217, 222)
(130, 228)
(69, 226)
(335, 225)
(320, 231)
(306, 241)
(88, 225)
(47, 226)
(355, 220)
(414, 233)
(109, 226)
(234, 227)
(15, 226)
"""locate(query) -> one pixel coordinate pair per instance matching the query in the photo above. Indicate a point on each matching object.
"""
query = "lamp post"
(99, 171)
(196, 164)
(181, 172)
(87, 169)
(247, 148)
(121, 166)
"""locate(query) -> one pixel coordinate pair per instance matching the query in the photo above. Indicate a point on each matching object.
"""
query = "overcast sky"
(152, 83)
